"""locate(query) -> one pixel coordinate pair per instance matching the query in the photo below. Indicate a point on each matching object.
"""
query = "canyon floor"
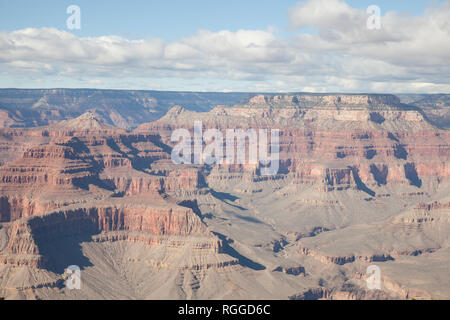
(363, 180)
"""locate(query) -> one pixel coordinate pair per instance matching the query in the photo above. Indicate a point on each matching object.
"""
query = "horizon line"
(228, 92)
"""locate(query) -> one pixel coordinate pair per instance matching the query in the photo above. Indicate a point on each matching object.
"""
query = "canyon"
(121, 108)
(363, 179)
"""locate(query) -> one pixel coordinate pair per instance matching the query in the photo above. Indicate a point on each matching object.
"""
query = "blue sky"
(281, 45)
(168, 19)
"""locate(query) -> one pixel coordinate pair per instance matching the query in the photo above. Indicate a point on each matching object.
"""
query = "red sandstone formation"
(335, 140)
(362, 179)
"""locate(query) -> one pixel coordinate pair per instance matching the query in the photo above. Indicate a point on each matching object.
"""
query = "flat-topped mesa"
(376, 108)
(333, 100)
(328, 112)
(154, 224)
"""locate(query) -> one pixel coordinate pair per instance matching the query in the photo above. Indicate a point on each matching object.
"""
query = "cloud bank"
(336, 53)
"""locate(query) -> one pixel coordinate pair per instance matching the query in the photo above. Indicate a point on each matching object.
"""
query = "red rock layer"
(153, 226)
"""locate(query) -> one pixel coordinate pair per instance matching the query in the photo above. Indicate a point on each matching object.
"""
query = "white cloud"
(326, 14)
(409, 53)
(402, 40)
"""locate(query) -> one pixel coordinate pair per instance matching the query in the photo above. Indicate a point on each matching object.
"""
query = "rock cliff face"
(435, 106)
(81, 179)
(363, 179)
(152, 223)
(335, 139)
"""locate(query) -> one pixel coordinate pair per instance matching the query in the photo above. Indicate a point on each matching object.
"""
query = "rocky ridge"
(363, 179)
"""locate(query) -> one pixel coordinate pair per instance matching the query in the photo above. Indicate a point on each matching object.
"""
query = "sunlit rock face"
(362, 179)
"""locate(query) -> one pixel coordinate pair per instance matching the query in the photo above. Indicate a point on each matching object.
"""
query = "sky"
(233, 45)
